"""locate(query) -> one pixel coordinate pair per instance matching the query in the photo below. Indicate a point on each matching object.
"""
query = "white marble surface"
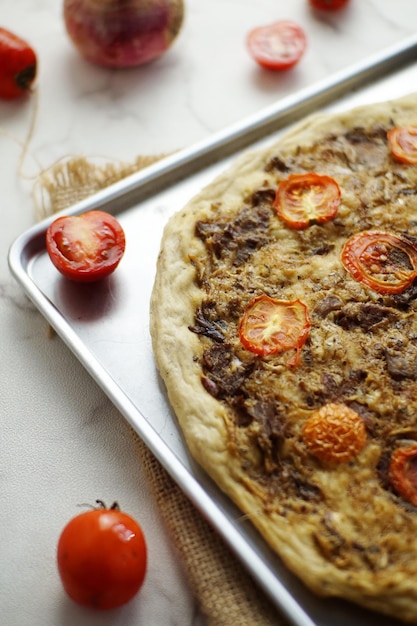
(61, 441)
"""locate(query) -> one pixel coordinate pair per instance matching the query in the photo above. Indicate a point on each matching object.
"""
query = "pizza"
(284, 326)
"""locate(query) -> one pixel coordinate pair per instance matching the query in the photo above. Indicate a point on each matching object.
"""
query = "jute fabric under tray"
(227, 595)
(225, 591)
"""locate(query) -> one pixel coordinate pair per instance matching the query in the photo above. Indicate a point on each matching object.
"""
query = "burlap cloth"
(227, 595)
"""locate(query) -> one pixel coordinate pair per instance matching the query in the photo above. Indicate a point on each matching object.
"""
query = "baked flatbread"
(315, 439)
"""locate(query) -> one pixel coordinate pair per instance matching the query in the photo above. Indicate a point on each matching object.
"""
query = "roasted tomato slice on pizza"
(402, 141)
(334, 433)
(403, 472)
(269, 326)
(305, 199)
(385, 262)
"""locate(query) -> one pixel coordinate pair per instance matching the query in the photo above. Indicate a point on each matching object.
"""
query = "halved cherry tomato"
(87, 247)
(335, 433)
(17, 65)
(305, 199)
(270, 326)
(403, 472)
(385, 262)
(403, 143)
(277, 46)
(328, 5)
(102, 558)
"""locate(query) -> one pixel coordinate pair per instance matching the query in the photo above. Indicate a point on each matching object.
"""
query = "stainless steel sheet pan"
(106, 326)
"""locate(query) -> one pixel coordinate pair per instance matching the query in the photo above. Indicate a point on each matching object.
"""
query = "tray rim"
(239, 135)
(141, 184)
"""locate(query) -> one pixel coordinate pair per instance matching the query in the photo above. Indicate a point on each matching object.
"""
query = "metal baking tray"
(106, 325)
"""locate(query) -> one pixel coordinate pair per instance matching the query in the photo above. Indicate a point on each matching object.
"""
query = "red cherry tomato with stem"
(277, 46)
(18, 65)
(328, 5)
(87, 247)
(102, 558)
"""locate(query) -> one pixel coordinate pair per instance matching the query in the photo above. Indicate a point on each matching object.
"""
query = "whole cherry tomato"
(277, 46)
(18, 65)
(102, 557)
(305, 199)
(87, 247)
(328, 5)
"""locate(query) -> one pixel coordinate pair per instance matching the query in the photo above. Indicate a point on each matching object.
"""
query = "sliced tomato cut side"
(269, 326)
(402, 141)
(86, 247)
(277, 46)
(385, 262)
(305, 199)
(403, 472)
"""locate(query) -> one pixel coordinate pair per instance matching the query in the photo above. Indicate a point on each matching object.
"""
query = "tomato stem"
(25, 78)
(102, 505)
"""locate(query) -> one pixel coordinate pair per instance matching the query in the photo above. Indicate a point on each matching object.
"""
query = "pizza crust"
(301, 540)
